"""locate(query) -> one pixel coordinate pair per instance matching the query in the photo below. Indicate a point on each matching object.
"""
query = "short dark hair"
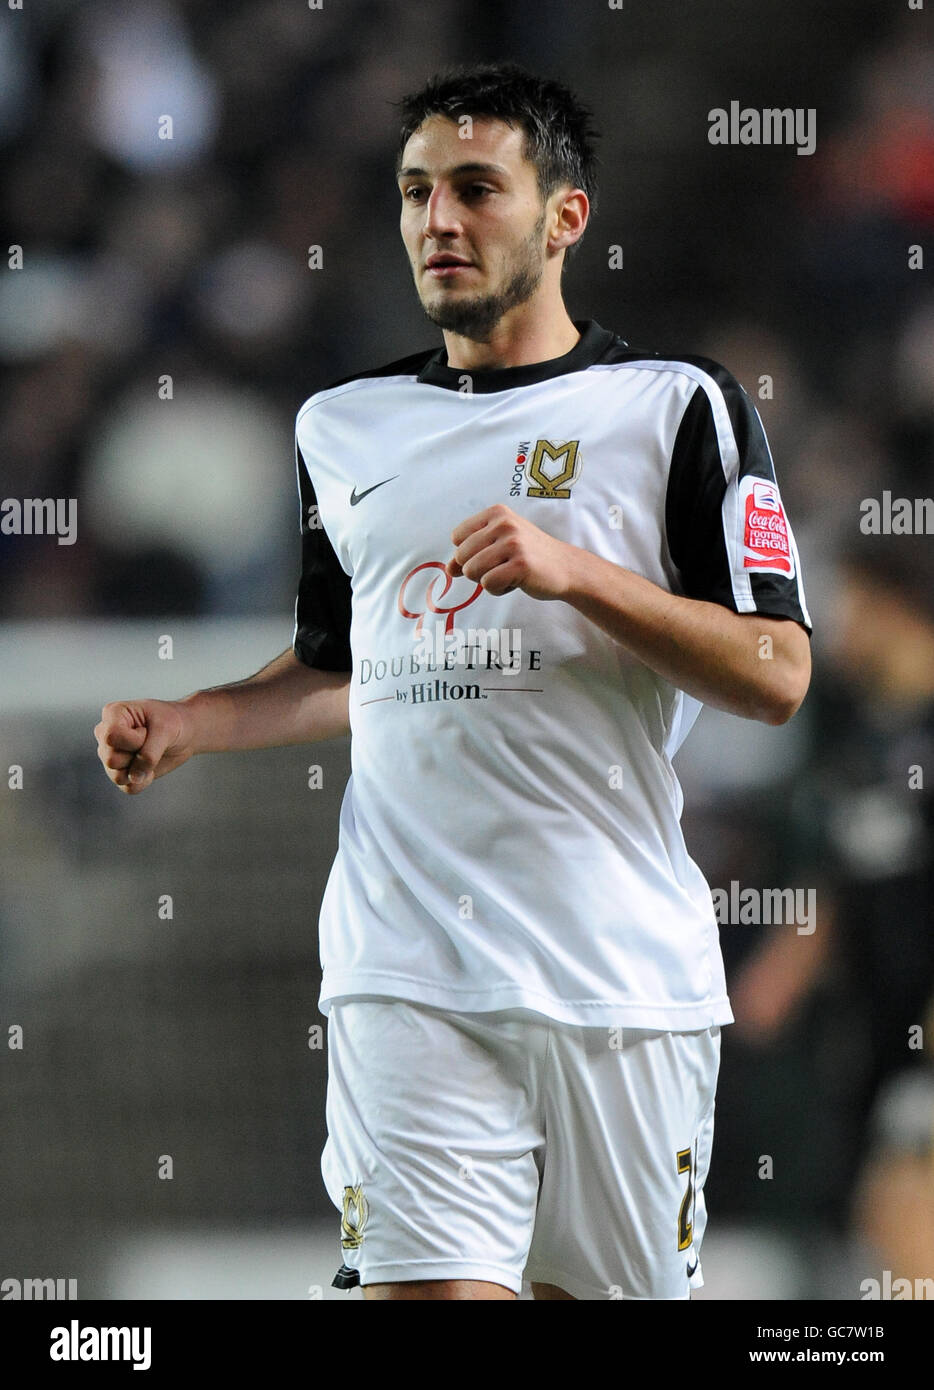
(558, 133)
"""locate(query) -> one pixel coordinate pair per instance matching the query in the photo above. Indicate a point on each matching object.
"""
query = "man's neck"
(514, 343)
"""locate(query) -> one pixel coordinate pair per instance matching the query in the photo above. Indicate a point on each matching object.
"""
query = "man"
(522, 975)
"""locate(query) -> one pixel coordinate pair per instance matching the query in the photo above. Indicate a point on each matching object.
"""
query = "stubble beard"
(477, 317)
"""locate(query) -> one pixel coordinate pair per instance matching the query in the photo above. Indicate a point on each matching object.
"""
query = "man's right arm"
(286, 702)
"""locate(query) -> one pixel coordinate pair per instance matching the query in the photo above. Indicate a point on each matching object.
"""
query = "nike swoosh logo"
(356, 496)
(692, 1268)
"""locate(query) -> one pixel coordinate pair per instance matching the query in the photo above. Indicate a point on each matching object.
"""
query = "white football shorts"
(502, 1146)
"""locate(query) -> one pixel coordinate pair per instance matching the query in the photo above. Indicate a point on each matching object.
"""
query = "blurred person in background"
(826, 1023)
(893, 1198)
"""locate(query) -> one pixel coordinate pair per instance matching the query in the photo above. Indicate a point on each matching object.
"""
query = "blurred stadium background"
(143, 257)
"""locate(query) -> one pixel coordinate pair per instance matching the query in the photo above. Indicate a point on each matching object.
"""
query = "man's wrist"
(587, 577)
(198, 715)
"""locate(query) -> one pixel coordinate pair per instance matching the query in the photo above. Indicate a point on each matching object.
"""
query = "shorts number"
(685, 1225)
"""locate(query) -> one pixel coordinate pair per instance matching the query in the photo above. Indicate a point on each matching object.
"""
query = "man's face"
(477, 200)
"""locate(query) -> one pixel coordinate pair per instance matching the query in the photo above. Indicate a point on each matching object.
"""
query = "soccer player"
(528, 557)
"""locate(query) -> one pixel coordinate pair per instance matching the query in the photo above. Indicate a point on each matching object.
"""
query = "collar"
(590, 347)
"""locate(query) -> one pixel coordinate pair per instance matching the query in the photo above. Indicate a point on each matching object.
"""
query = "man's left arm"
(749, 664)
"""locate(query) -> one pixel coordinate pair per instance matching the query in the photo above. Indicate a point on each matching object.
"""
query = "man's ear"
(570, 215)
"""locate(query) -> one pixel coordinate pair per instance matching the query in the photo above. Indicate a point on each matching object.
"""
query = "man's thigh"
(629, 1125)
(434, 1146)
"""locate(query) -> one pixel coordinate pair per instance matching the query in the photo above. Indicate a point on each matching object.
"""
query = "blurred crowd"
(166, 325)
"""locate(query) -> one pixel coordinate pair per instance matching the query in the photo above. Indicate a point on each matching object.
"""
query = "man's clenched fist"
(140, 740)
(502, 551)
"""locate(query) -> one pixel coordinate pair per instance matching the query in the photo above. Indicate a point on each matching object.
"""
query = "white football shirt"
(510, 834)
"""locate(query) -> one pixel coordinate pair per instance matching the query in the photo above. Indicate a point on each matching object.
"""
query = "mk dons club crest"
(354, 1218)
(551, 469)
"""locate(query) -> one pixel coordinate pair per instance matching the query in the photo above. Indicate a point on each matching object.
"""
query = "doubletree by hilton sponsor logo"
(441, 647)
(493, 654)
(428, 589)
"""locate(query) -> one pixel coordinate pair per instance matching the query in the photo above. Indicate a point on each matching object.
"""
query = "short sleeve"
(728, 532)
(323, 605)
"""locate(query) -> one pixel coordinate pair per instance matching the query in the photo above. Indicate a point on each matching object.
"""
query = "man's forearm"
(712, 653)
(286, 702)
(707, 650)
